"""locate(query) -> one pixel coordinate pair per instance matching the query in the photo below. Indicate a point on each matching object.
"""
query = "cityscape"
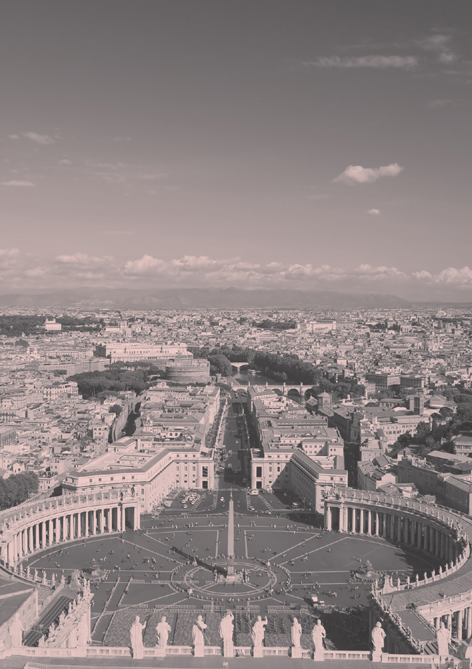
(235, 334)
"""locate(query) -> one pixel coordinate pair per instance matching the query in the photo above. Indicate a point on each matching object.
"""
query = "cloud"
(65, 161)
(23, 271)
(39, 139)
(376, 62)
(16, 183)
(439, 44)
(461, 278)
(374, 212)
(366, 175)
(14, 136)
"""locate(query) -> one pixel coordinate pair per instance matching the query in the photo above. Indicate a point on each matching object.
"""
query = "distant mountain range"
(193, 298)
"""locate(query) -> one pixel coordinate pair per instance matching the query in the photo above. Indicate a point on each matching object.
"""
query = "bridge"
(238, 365)
(283, 388)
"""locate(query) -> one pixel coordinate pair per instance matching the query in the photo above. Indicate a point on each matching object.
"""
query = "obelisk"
(230, 570)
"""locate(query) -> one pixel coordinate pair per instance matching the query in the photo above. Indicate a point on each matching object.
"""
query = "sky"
(250, 143)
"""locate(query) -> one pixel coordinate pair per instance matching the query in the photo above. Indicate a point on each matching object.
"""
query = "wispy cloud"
(367, 175)
(374, 212)
(21, 271)
(438, 44)
(16, 183)
(39, 139)
(374, 61)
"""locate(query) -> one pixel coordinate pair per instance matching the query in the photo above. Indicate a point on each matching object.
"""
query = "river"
(243, 377)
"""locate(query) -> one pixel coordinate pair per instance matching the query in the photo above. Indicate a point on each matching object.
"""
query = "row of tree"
(281, 368)
(268, 324)
(17, 489)
(117, 378)
(14, 326)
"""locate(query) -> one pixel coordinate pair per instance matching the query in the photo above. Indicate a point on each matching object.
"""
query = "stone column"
(35, 535)
(361, 521)
(87, 529)
(329, 517)
(469, 622)
(367, 521)
(460, 622)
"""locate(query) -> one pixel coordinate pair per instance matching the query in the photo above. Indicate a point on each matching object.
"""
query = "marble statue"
(378, 638)
(443, 638)
(227, 627)
(197, 632)
(226, 633)
(136, 639)
(296, 633)
(163, 628)
(16, 630)
(258, 631)
(318, 633)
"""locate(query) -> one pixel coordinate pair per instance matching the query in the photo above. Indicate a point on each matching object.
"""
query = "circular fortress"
(188, 371)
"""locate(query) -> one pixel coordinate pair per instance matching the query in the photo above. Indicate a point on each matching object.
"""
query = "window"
(258, 472)
(205, 472)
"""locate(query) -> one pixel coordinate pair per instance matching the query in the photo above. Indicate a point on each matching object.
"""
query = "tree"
(17, 489)
(116, 408)
(219, 364)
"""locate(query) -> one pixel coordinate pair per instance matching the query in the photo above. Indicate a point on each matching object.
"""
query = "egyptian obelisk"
(230, 570)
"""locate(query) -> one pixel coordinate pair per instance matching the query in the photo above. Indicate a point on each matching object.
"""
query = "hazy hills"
(192, 298)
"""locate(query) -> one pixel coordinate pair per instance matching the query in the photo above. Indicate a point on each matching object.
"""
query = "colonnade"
(29, 535)
(419, 533)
